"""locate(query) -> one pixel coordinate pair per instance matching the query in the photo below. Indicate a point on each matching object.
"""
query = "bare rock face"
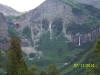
(3, 27)
(48, 13)
(8, 11)
(50, 10)
(54, 16)
(3, 32)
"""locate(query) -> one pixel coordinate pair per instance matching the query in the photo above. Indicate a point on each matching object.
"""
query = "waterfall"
(50, 29)
(32, 35)
(79, 40)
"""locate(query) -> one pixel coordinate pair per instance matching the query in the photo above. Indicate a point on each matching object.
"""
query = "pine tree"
(53, 70)
(43, 73)
(15, 64)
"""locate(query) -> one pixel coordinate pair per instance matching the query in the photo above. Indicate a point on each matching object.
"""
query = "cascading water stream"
(79, 40)
(50, 29)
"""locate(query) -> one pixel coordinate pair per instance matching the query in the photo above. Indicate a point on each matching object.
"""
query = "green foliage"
(88, 26)
(45, 24)
(53, 70)
(70, 3)
(58, 51)
(2, 62)
(77, 28)
(57, 26)
(52, 46)
(27, 34)
(33, 70)
(82, 57)
(12, 31)
(96, 58)
(43, 73)
(92, 13)
(77, 11)
(10, 18)
(15, 64)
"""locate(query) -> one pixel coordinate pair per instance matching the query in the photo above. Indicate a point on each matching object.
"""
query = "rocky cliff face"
(80, 39)
(52, 15)
(3, 31)
(3, 26)
(55, 16)
(8, 11)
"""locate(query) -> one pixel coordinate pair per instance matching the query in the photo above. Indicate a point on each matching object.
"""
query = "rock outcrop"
(3, 31)
(3, 27)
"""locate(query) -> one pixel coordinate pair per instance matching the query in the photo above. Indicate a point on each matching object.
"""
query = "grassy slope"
(57, 51)
(77, 71)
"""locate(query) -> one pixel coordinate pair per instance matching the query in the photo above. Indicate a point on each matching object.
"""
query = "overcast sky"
(22, 5)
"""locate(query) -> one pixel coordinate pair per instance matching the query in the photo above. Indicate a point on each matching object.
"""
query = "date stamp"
(83, 65)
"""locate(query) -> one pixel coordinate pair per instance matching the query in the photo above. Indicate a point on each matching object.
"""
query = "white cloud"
(22, 5)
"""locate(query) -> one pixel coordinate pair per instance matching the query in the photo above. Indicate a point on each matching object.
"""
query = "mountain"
(75, 21)
(60, 16)
(60, 32)
(50, 12)
(63, 31)
(8, 11)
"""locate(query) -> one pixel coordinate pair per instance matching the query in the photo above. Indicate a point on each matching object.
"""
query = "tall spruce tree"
(15, 63)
